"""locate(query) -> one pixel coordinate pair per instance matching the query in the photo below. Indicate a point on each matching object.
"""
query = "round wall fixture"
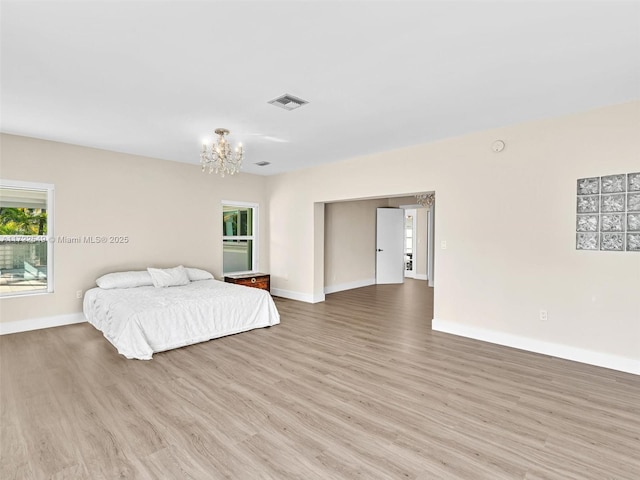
(497, 146)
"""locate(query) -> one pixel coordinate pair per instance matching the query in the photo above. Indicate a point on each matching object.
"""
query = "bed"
(146, 319)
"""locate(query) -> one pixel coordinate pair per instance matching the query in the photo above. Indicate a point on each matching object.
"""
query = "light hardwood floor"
(356, 387)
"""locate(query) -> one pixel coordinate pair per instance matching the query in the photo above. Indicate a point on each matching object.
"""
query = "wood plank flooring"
(356, 387)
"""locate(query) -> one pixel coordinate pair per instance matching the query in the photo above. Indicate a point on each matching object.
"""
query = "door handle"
(379, 250)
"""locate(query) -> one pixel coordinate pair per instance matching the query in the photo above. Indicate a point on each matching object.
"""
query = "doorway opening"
(409, 242)
(348, 249)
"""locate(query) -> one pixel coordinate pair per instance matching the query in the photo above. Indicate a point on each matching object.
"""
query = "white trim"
(421, 276)
(430, 244)
(301, 297)
(27, 185)
(606, 360)
(52, 235)
(27, 293)
(349, 286)
(234, 203)
(27, 325)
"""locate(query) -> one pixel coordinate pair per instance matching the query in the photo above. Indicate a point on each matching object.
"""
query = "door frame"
(414, 250)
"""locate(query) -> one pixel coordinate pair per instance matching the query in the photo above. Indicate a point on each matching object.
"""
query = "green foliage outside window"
(237, 222)
(23, 221)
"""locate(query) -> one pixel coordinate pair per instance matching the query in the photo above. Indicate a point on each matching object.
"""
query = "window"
(239, 237)
(26, 223)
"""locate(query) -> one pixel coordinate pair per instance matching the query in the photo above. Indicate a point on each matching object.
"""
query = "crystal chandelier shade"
(425, 199)
(220, 157)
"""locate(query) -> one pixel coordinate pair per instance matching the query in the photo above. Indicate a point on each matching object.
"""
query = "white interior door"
(390, 245)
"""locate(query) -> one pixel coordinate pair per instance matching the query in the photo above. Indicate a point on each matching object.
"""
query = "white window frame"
(254, 237)
(49, 237)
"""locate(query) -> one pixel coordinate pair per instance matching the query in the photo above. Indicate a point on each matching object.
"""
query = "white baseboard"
(38, 323)
(349, 286)
(301, 297)
(421, 276)
(614, 362)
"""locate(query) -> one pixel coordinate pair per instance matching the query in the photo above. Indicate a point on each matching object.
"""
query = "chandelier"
(220, 157)
(425, 199)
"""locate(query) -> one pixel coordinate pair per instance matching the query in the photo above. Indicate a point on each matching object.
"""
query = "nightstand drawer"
(255, 280)
(263, 284)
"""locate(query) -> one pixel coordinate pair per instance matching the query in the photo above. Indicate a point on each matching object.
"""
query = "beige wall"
(170, 211)
(350, 243)
(509, 222)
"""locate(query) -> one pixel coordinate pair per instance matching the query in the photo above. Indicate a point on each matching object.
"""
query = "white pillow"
(169, 277)
(196, 274)
(125, 280)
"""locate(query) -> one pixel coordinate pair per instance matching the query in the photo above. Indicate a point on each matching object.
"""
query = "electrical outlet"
(78, 293)
(543, 316)
(443, 244)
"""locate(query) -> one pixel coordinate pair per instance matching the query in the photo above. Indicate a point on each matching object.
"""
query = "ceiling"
(156, 78)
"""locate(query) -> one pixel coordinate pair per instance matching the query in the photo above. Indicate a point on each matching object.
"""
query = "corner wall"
(350, 242)
(509, 222)
(170, 211)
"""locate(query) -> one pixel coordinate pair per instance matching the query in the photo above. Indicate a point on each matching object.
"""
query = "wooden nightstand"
(255, 280)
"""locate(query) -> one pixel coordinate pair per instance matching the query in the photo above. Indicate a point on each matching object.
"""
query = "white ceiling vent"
(288, 102)
(263, 164)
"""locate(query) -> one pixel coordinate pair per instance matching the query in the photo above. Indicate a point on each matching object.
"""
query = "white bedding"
(144, 320)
